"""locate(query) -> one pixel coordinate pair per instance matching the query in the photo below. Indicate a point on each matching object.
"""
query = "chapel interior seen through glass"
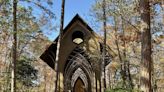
(77, 37)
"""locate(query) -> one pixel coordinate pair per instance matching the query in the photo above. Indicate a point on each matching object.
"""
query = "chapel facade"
(79, 58)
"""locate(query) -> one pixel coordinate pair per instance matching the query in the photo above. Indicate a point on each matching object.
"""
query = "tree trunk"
(124, 66)
(118, 51)
(58, 45)
(145, 80)
(45, 78)
(104, 48)
(129, 75)
(14, 56)
(13, 75)
(126, 63)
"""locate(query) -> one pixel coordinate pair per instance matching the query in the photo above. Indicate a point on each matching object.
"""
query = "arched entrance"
(78, 73)
(79, 86)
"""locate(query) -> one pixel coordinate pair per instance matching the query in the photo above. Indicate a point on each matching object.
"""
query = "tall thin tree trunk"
(145, 80)
(119, 52)
(14, 56)
(58, 45)
(124, 55)
(100, 84)
(104, 48)
(129, 75)
(45, 78)
(126, 63)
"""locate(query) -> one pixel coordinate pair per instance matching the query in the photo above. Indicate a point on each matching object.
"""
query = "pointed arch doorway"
(79, 86)
(78, 72)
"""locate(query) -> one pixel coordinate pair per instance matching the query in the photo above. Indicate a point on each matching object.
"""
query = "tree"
(29, 28)
(26, 73)
(146, 62)
(104, 45)
(120, 16)
(58, 46)
(13, 81)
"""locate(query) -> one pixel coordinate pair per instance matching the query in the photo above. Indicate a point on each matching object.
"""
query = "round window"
(77, 37)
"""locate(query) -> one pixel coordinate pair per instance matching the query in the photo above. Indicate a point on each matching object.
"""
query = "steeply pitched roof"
(46, 55)
(77, 17)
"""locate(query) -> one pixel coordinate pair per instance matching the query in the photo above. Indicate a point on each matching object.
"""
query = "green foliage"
(26, 73)
(32, 19)
(122, 90)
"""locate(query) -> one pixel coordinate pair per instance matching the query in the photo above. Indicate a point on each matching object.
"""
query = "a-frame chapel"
(80, 58)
